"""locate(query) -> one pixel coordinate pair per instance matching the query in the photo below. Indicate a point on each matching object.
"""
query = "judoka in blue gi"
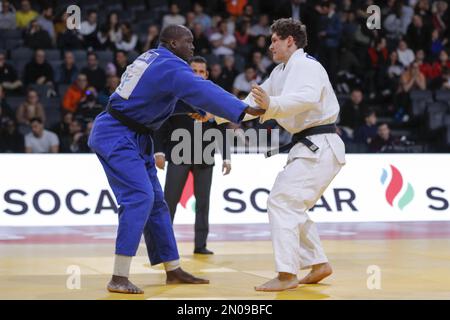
(156, 85)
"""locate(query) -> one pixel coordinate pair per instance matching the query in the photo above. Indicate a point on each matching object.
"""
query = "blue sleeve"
(182, 108)
(203, 94)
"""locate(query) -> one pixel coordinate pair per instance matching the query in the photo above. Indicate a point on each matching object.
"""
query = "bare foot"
(122, 285)
(180, 276)
(318, 273)
(284, 281)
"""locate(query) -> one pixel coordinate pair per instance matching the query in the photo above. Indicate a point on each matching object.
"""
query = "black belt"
(131, 124)
(301, 137)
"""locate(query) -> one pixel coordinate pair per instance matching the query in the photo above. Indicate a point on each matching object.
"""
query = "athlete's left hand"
(261, 97)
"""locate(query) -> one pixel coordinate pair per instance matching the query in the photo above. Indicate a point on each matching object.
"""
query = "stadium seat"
(11, 44)
(419, 101)
(62, 88)
(443, 96)
(15, 102)
(436, 112)
(12, 34)
(21, 55)
(105, 56)
(52, 54)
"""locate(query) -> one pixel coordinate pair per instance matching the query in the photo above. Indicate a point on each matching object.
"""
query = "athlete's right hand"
(254, 111)
(160, 161)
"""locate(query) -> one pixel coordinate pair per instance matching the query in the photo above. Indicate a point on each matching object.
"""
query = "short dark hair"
(198, 59)
(36, 119)
(286, 27)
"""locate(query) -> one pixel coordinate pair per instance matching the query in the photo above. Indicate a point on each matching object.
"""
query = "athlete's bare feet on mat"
(122, 285)
(318, 273)
(284, 281)
(180, 276)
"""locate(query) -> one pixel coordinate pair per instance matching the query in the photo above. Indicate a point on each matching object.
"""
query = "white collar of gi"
(297, 54)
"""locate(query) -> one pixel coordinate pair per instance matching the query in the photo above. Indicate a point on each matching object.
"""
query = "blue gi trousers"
(131, 173)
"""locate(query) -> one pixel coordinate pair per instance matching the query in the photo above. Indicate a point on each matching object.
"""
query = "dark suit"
(177, 174)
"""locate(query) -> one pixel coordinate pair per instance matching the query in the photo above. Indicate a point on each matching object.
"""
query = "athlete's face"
(184, 47)
(280, 47)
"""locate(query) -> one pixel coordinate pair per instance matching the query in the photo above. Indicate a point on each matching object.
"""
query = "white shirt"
(42, 144)
(173, 19)
(406, 57)
(86, 28)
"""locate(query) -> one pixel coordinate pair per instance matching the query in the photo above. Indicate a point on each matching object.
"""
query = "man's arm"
(204, 94)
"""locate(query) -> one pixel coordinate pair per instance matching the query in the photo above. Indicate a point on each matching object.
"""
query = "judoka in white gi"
(299, 96)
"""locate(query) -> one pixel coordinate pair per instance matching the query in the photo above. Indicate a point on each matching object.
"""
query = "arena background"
(389, 207)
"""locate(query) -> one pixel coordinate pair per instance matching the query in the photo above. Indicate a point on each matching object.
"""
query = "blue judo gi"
(156, 85)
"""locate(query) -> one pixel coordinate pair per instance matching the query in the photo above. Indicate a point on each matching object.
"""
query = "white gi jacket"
(301, 97)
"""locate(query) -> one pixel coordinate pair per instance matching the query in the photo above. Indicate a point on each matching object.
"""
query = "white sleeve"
(302, 92)
(266, 85)
(54, 141)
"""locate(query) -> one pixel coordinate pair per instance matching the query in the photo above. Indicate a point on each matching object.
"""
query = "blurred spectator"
(445, 79)
(68, 39)
(424, 67)
(412, 78)
(68, 71)
(75, 93)
(7, 16)
(102, 40)
(201, 42)
(216, 75)
(25, 15)
(437, 44)
(74, 128)
(383, 141)
(235, 7)
(62, 128)
(89, 108)
(242, 37)
(114, 30)
(80, 140)
(5, 111)
(437, 66)
(112, 82)
(96, 76)
(201, 17)
(37, 38)
(352, 112)
(128, 40)
(440, 15)
(88, 29)
(260, 44)
(330, 28)
(405, 55)
(223, 43)
(245, 80)
(11, 141)
(261, 63)
(118, 67)
(229, 72)
(262, 28)
(45, 20)
(8, 76)
(418, 35)
(38, 70)
(40, 140)
(29, 109)
(366, 132)
(190, 21)
(173, 17)
(397, 22)
(152, 38)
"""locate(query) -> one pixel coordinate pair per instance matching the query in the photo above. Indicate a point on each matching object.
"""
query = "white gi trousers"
(295, 240)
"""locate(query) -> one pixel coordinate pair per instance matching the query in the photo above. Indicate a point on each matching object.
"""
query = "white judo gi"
(301, 97)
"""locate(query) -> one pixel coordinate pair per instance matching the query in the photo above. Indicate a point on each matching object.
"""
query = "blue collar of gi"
(164, 49)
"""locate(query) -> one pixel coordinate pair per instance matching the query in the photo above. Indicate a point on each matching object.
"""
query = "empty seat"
(12, 34)
(11, 44)
(105, 56)
(22, 54)
(420, 94)
(62, 88)
(419, 101)
(52, 54)
(15, 102)
(436, 112)
(443, 96)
